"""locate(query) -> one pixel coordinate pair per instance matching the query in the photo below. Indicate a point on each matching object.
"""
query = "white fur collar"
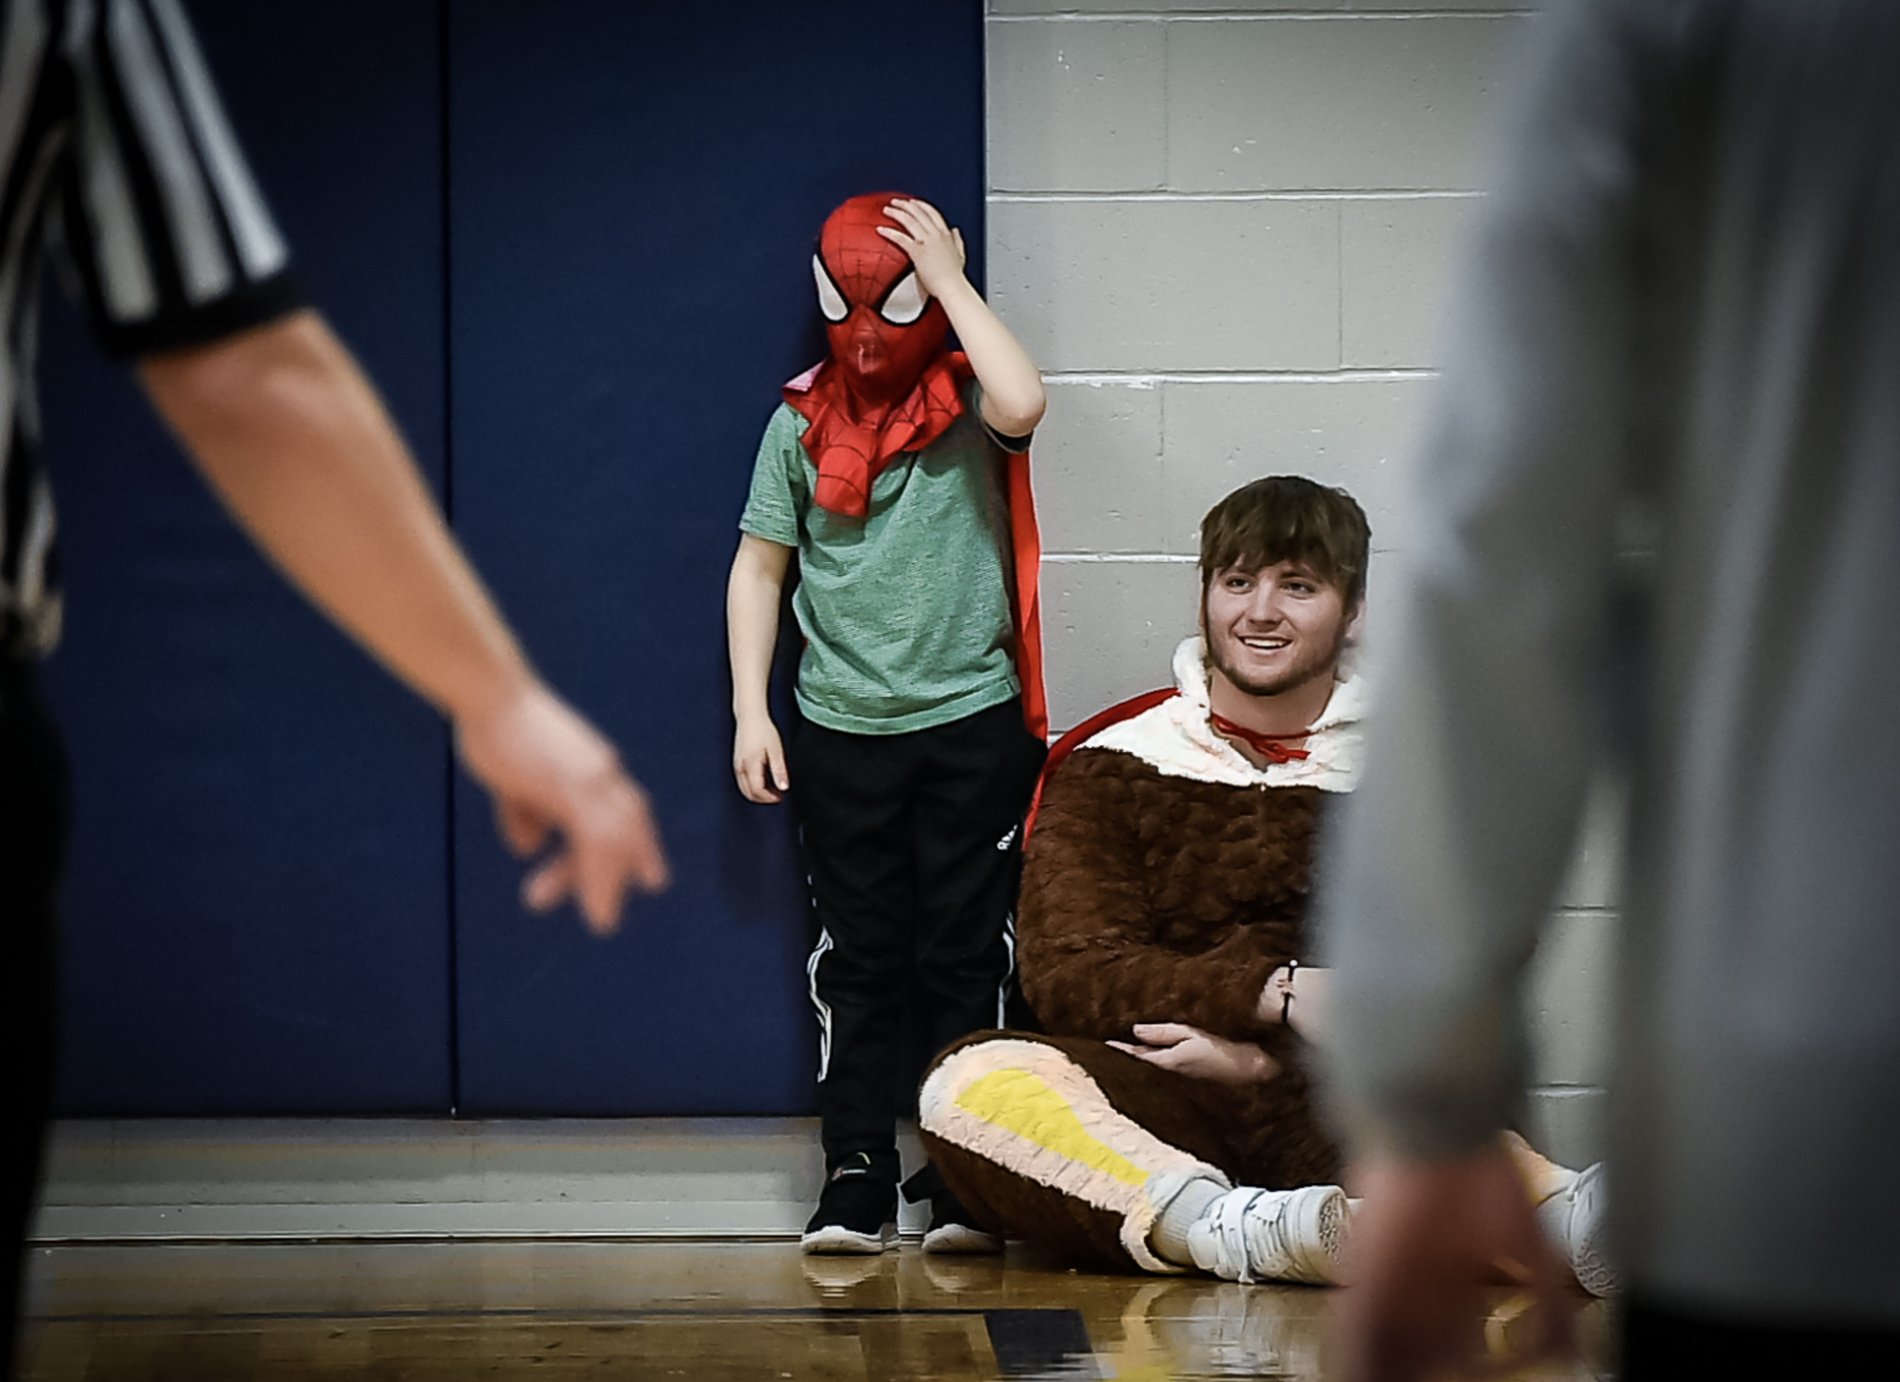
(1176, 740)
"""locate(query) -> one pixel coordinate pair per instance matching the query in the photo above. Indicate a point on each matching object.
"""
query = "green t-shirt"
(905, 612)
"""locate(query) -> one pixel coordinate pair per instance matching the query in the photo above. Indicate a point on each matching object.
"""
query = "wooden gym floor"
(393, 1249)
(708, 1311)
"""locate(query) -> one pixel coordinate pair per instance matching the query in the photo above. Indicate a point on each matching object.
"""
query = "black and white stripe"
(114, 144)
(819, 1005)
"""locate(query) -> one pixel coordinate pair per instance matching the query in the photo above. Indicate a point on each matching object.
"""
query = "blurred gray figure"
(1658, 528)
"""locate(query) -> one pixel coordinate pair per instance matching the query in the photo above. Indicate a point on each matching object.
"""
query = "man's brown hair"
(1288, 518)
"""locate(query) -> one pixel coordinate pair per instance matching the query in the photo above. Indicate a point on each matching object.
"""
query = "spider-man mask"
(889, 386)
(884, 329)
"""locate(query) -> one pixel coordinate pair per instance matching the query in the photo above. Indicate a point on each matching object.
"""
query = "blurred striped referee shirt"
(116, 154)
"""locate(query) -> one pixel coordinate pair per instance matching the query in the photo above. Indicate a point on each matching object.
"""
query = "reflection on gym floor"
(706, 1311)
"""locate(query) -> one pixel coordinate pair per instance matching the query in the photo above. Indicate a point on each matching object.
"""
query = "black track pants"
(913, 850)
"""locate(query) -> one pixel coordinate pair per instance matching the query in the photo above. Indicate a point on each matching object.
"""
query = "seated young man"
(1161, 927)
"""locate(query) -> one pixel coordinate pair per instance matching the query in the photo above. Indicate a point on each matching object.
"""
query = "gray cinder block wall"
(1226, 232)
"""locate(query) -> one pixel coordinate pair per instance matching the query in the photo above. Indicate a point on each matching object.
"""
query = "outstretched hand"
(1428, 1240)
(1190, 1051)
(550, 771)
(934, 248)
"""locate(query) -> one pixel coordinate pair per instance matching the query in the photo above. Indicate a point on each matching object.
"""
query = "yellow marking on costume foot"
(1019, 1102)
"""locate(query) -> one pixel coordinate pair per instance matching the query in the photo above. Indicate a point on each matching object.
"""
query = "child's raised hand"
(935, 248)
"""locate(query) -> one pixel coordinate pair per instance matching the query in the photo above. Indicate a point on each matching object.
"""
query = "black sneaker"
(951, 1230)
(857, 1212)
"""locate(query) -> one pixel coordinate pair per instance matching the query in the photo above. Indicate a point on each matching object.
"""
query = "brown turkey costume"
(1166, 879)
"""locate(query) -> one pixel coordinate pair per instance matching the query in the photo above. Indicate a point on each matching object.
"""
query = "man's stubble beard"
(1295, 677)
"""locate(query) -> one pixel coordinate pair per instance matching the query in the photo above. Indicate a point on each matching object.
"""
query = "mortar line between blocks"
(1213, 15)
(1280, 194)
(1151, 378)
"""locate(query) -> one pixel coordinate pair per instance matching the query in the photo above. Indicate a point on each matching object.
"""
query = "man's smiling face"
(1275, 629)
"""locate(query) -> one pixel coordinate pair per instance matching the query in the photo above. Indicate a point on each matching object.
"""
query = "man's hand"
(758, 761)
(1429, 1238)
(1190, 1051)
(934, 248)
(548, 770)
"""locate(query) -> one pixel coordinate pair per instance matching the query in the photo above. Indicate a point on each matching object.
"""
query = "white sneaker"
(1573, 1220)
(1272, 1235)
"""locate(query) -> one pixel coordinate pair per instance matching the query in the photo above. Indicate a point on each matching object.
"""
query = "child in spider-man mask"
(896, 471)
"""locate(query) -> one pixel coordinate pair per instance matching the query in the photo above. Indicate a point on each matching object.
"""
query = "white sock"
(1169, 1237)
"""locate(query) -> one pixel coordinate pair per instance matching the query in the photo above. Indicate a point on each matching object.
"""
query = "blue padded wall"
(635, 191)
(278, 900)
(257, 912)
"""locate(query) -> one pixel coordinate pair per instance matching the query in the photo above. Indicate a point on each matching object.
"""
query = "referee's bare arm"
(287, 430)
